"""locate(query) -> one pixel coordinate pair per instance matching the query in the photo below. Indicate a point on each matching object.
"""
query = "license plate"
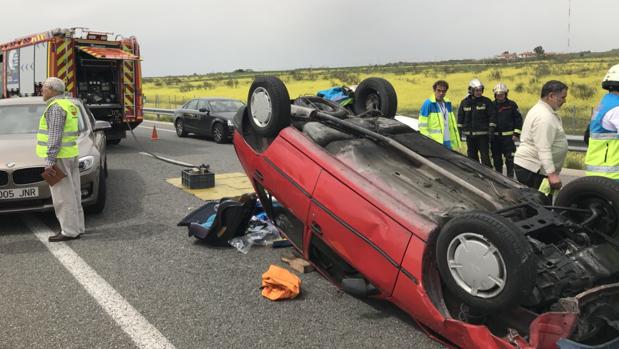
(21, 193)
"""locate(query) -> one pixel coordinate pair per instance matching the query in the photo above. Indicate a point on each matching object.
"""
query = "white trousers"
(67, 198)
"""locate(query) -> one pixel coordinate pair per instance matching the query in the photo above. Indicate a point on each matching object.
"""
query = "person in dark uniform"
(477, 120)
(509, 123)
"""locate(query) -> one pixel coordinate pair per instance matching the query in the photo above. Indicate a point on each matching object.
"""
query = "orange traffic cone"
(153, 135)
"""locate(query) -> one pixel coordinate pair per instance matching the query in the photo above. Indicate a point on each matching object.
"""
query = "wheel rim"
(179, 127)
(372, 102)
(218, 133)
(476, 265)
(261, 107)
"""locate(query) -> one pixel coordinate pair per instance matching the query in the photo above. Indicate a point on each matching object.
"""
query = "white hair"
(54, 84)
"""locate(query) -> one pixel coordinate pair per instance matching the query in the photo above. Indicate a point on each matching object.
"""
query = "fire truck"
(99, 68)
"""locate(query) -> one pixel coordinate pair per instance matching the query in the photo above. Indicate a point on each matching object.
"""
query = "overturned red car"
(477, 259)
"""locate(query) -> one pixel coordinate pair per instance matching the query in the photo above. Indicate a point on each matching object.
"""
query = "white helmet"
(475, 84)
(500, 88)
(611, 80)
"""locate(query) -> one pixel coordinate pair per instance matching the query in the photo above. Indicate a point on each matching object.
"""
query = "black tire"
(323, 105)
(219, 132)
(99, 205)
(513, 258)
(268, 106)
(179, 127)
(376, 94)
(593, 191)
(113, 141)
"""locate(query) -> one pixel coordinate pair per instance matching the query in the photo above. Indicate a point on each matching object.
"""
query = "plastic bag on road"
(261, 233)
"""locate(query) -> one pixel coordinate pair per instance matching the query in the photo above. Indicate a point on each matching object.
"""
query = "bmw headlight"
(86, 163)
(230, 123)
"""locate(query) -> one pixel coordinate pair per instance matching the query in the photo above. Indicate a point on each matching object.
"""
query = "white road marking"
(159, 129)
(128, 318)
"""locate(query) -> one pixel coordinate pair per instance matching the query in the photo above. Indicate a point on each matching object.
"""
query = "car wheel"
(268, 106)
(105, 167)
(485, 261)
(220, 134)
(113, 141)
(180, 128)
(596, 192)
(376, 94)
(99, 205)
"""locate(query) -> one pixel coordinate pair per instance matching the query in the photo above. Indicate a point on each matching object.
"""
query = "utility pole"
(569, 19)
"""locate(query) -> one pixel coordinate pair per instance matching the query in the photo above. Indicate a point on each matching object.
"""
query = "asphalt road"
(135, 266)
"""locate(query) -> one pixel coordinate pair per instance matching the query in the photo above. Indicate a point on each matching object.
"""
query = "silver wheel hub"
(476, 265)
(261, 108)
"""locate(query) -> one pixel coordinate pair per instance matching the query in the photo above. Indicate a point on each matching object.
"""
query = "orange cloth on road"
(278, 283)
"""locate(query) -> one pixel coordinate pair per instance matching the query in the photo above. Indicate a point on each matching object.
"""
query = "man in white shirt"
(543, 144)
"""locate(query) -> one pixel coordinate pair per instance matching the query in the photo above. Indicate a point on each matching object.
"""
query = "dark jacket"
(476, 116)
(509, 119)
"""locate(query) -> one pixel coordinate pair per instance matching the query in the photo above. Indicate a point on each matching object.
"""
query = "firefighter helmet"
(500, 88)
(611, 80)
(475, 84)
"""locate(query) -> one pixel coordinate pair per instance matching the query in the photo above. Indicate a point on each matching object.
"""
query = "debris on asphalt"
(278, 284)
(262, 233)
(298, 264)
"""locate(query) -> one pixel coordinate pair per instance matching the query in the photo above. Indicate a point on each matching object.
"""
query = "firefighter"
(477, 120)
(602, 157)
(436, 118)
(509, 123)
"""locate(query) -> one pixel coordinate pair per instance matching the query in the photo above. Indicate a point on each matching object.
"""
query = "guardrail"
(576, 143)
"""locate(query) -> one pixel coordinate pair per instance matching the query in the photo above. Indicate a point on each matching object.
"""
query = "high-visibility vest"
(68, 144)
(602, 157)
(432, 124)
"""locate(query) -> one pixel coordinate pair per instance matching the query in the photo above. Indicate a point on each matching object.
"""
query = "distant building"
(507, 56)
(527, 54)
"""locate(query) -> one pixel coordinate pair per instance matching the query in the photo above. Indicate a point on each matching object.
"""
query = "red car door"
(363, 235)
(290, 177)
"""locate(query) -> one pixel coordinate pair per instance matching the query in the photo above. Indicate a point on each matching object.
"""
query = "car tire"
(113, 141)
(593, 191)
(180, 128)
(219, 132)
(485, 281)
(323, 105)
(99, 205)
(376, 94)
(268, 106)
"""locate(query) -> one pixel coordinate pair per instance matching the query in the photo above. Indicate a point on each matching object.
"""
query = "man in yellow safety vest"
(436, 117)
(57, 144)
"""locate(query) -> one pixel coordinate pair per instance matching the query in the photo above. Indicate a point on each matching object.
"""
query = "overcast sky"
(205, 36)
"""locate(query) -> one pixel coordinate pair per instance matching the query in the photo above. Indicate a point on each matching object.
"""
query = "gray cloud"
(191, 36)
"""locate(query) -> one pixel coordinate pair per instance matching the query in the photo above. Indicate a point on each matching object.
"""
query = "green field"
(582, 72)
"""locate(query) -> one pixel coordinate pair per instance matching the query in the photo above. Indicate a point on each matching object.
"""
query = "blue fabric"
(447, 144)
(430, 106)
(209, 221)
(333, 94)
(608, 102)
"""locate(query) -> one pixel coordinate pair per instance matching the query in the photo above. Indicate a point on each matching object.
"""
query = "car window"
(193, 104)
(226, 105)
(21, 119)
(203, 104)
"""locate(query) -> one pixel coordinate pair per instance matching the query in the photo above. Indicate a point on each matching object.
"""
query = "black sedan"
(210, 117)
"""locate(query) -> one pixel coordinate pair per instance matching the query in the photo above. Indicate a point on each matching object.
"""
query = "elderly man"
(543, 145)
(57, 143)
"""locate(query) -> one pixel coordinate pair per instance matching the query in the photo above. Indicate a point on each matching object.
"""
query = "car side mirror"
(101, 125)
(204, 110)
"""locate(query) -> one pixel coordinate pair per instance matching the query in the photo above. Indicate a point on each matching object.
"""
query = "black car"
(210, 117)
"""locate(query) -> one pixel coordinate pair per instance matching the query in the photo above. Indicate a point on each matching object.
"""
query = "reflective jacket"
(476, 116)
(432, 123)
(509, 119)
(602, 157)
(68, 144)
